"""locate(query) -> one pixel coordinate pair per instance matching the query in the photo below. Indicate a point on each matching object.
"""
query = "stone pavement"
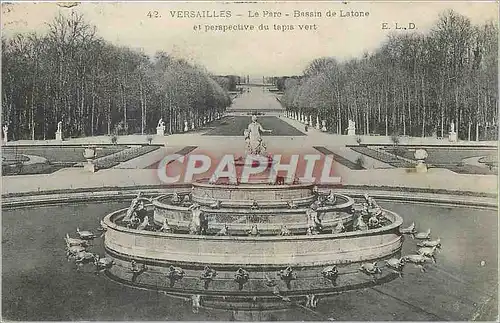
(73, 178)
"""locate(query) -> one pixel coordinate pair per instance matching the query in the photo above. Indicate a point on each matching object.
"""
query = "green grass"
(235, 125)
(447, 155)
(451, 158)
(60, 154)
(32, 169)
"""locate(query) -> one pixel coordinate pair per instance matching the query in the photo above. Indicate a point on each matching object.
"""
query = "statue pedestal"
(351, 132)
(160, 131)
(421, 167)
(452, 137)
(89, 167)
(59, 136)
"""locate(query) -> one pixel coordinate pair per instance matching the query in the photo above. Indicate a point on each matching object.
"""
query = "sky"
(247, 52)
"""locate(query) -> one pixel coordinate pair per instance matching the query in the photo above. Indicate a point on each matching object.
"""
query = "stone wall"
(272, 250)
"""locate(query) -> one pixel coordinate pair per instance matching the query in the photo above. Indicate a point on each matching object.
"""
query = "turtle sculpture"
(136, 270)
(269, 281)
(331, 273)
(174, 274)
(428, 252)
(83, 257)
(102, 264)
(408, 230)
(430, 243)
(85, 235)
(207, 275)
(370, 269)
(75, 242)
(241, 277)
(418, 260)
(422, 235)
(71, 251)
(287, 275)
(396, 265)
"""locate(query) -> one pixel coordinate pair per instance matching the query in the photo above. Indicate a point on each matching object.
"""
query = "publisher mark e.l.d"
(399, 25)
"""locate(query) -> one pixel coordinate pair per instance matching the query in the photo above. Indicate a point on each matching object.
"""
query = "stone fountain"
(237, 246)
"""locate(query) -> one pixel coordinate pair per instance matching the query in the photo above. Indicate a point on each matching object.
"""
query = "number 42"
(153, 14)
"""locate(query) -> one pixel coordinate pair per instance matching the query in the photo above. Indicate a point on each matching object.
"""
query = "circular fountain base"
(253, 264)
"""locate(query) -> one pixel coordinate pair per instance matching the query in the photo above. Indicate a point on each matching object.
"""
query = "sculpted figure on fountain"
(199, 223)
(254, 143)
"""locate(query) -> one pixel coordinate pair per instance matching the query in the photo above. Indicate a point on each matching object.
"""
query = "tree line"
(70, 74)
(413, 84)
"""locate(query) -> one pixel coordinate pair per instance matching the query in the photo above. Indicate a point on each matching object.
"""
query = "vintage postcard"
(249, 161)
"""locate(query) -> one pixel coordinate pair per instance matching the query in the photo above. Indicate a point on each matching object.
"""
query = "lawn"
(442, 155)
(32, 169)
(61, 154)
(451, 158)
(235, 125)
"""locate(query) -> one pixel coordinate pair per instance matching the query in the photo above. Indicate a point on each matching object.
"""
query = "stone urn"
(89, 154)
(421, 155)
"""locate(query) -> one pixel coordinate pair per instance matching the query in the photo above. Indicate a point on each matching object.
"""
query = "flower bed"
(123, 156)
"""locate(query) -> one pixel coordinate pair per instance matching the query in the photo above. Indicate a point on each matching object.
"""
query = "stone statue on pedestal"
(59, 131)
(452, 136)
(351, 129)
(253, 139)
(323, 125)
(160, 128)
(5, 129)
(199, 222)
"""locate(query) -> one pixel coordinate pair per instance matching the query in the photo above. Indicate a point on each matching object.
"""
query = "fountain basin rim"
(243, 203)
(256, 268)
(251, 185)
(398, 221)
(266, 227)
